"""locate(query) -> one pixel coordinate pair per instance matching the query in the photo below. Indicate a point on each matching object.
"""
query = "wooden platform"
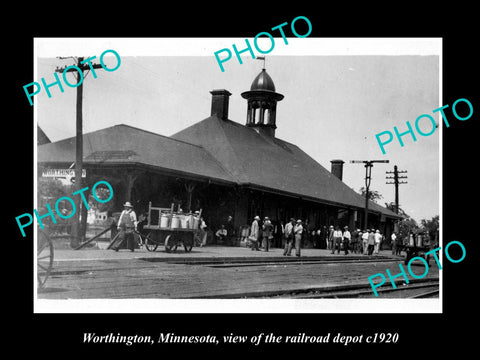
(174, 277)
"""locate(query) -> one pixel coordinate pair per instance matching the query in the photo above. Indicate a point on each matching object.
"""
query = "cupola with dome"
(262, 104)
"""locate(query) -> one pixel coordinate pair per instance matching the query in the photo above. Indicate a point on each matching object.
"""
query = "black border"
(423, 333)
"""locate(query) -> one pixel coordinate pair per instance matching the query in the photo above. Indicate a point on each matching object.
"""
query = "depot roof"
(124, 144)
(221, 150)
(268, 163)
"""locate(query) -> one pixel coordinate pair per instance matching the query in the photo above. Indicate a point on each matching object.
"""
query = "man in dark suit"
(330, 237)
(267, 233)
(230, 231)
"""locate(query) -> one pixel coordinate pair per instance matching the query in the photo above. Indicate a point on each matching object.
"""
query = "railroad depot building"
(220, 166)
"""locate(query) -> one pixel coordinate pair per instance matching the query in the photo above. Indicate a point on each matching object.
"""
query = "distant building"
(96, 217)
(221, 166)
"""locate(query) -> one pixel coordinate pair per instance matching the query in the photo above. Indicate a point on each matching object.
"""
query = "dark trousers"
(277, 241)
(288, 246)
(336, 245)
(266, 243)
(255, 245)
(370, 249)
(398, 249)
(345, 246)
(124, 235)
(230, 240)
(354, 246)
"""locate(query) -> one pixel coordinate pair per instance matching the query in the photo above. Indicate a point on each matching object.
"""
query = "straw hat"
(128, 204)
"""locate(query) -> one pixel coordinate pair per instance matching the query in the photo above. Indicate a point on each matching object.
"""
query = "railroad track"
(429, 294)
(262, 261)
(416, 289)
(409, 291)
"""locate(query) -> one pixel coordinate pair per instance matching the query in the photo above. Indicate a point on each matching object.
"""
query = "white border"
(47, 47)
(244, 306)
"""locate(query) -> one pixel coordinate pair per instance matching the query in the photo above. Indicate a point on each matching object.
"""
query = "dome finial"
(261, 58)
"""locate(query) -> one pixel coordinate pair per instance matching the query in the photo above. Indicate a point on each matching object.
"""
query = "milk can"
(164, 220)
(175, 222)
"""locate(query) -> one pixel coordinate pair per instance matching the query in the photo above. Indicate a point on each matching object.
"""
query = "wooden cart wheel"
(170, 244)
(44, 257)
(150, 244)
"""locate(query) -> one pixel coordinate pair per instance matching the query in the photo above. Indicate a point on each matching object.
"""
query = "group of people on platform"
(364, 242)
(263, 234)
(225, 235)
(297, 233)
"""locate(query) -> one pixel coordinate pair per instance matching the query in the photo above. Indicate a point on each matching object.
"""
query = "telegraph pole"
(396, 182)
(368, 179)
(76, 230)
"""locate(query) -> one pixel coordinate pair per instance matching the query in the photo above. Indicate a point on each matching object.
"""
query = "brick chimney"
(220, 103)
(337, 168)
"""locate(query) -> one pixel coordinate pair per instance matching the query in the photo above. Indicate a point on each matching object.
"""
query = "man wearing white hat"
(297, 231)
(127, 223)
(255, 233)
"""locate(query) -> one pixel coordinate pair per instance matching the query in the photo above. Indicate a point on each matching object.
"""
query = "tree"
(102, 193)
(406, 226)
(391, 206)
(48, 192)
(431, 225)
(373, 195)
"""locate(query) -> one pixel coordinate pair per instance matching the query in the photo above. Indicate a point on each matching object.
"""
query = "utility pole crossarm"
(82, 67)
(396, 182)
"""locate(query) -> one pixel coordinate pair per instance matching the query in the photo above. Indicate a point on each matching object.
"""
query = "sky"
(338, 93)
